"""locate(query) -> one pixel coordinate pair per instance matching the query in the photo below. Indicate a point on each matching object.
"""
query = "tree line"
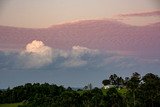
(139, 92)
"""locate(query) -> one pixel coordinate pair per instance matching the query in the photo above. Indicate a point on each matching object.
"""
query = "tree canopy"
(140, 92)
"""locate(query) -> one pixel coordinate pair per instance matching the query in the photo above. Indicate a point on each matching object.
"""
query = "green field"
(123, 91)
(10, 105)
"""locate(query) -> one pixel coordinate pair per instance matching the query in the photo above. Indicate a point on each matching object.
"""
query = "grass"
(104, 91)
(123, 91)
(10, 105)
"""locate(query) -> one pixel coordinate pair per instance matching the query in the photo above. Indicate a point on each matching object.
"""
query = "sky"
(77, 67)
(41, 54)
(44, 13)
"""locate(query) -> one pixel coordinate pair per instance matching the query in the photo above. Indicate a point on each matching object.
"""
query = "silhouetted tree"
(106, 82)
(113, 79)
(132, 86)
(114, 99)
(150, 90)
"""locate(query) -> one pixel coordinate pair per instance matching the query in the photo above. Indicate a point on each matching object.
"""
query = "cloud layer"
(37, 55)
(76, 56)
(79, 65)
(141, 14)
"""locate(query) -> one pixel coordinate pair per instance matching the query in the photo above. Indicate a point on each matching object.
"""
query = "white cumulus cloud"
(37, 54)
(75, 56)
(79, 51)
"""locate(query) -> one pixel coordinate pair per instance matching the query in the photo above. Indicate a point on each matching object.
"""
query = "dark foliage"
(141, 92)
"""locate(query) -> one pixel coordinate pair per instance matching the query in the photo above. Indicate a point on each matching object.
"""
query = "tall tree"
(114, 99)
(120, 81)
(150, 90)
(133, 85)
(113, 79)
(106, 82)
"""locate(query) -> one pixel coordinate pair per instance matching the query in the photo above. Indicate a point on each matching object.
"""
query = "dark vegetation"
(140, 92)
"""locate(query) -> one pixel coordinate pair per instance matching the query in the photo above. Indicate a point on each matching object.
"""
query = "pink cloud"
(141, 14)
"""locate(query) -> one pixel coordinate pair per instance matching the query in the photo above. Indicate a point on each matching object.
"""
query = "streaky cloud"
(141, 14)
